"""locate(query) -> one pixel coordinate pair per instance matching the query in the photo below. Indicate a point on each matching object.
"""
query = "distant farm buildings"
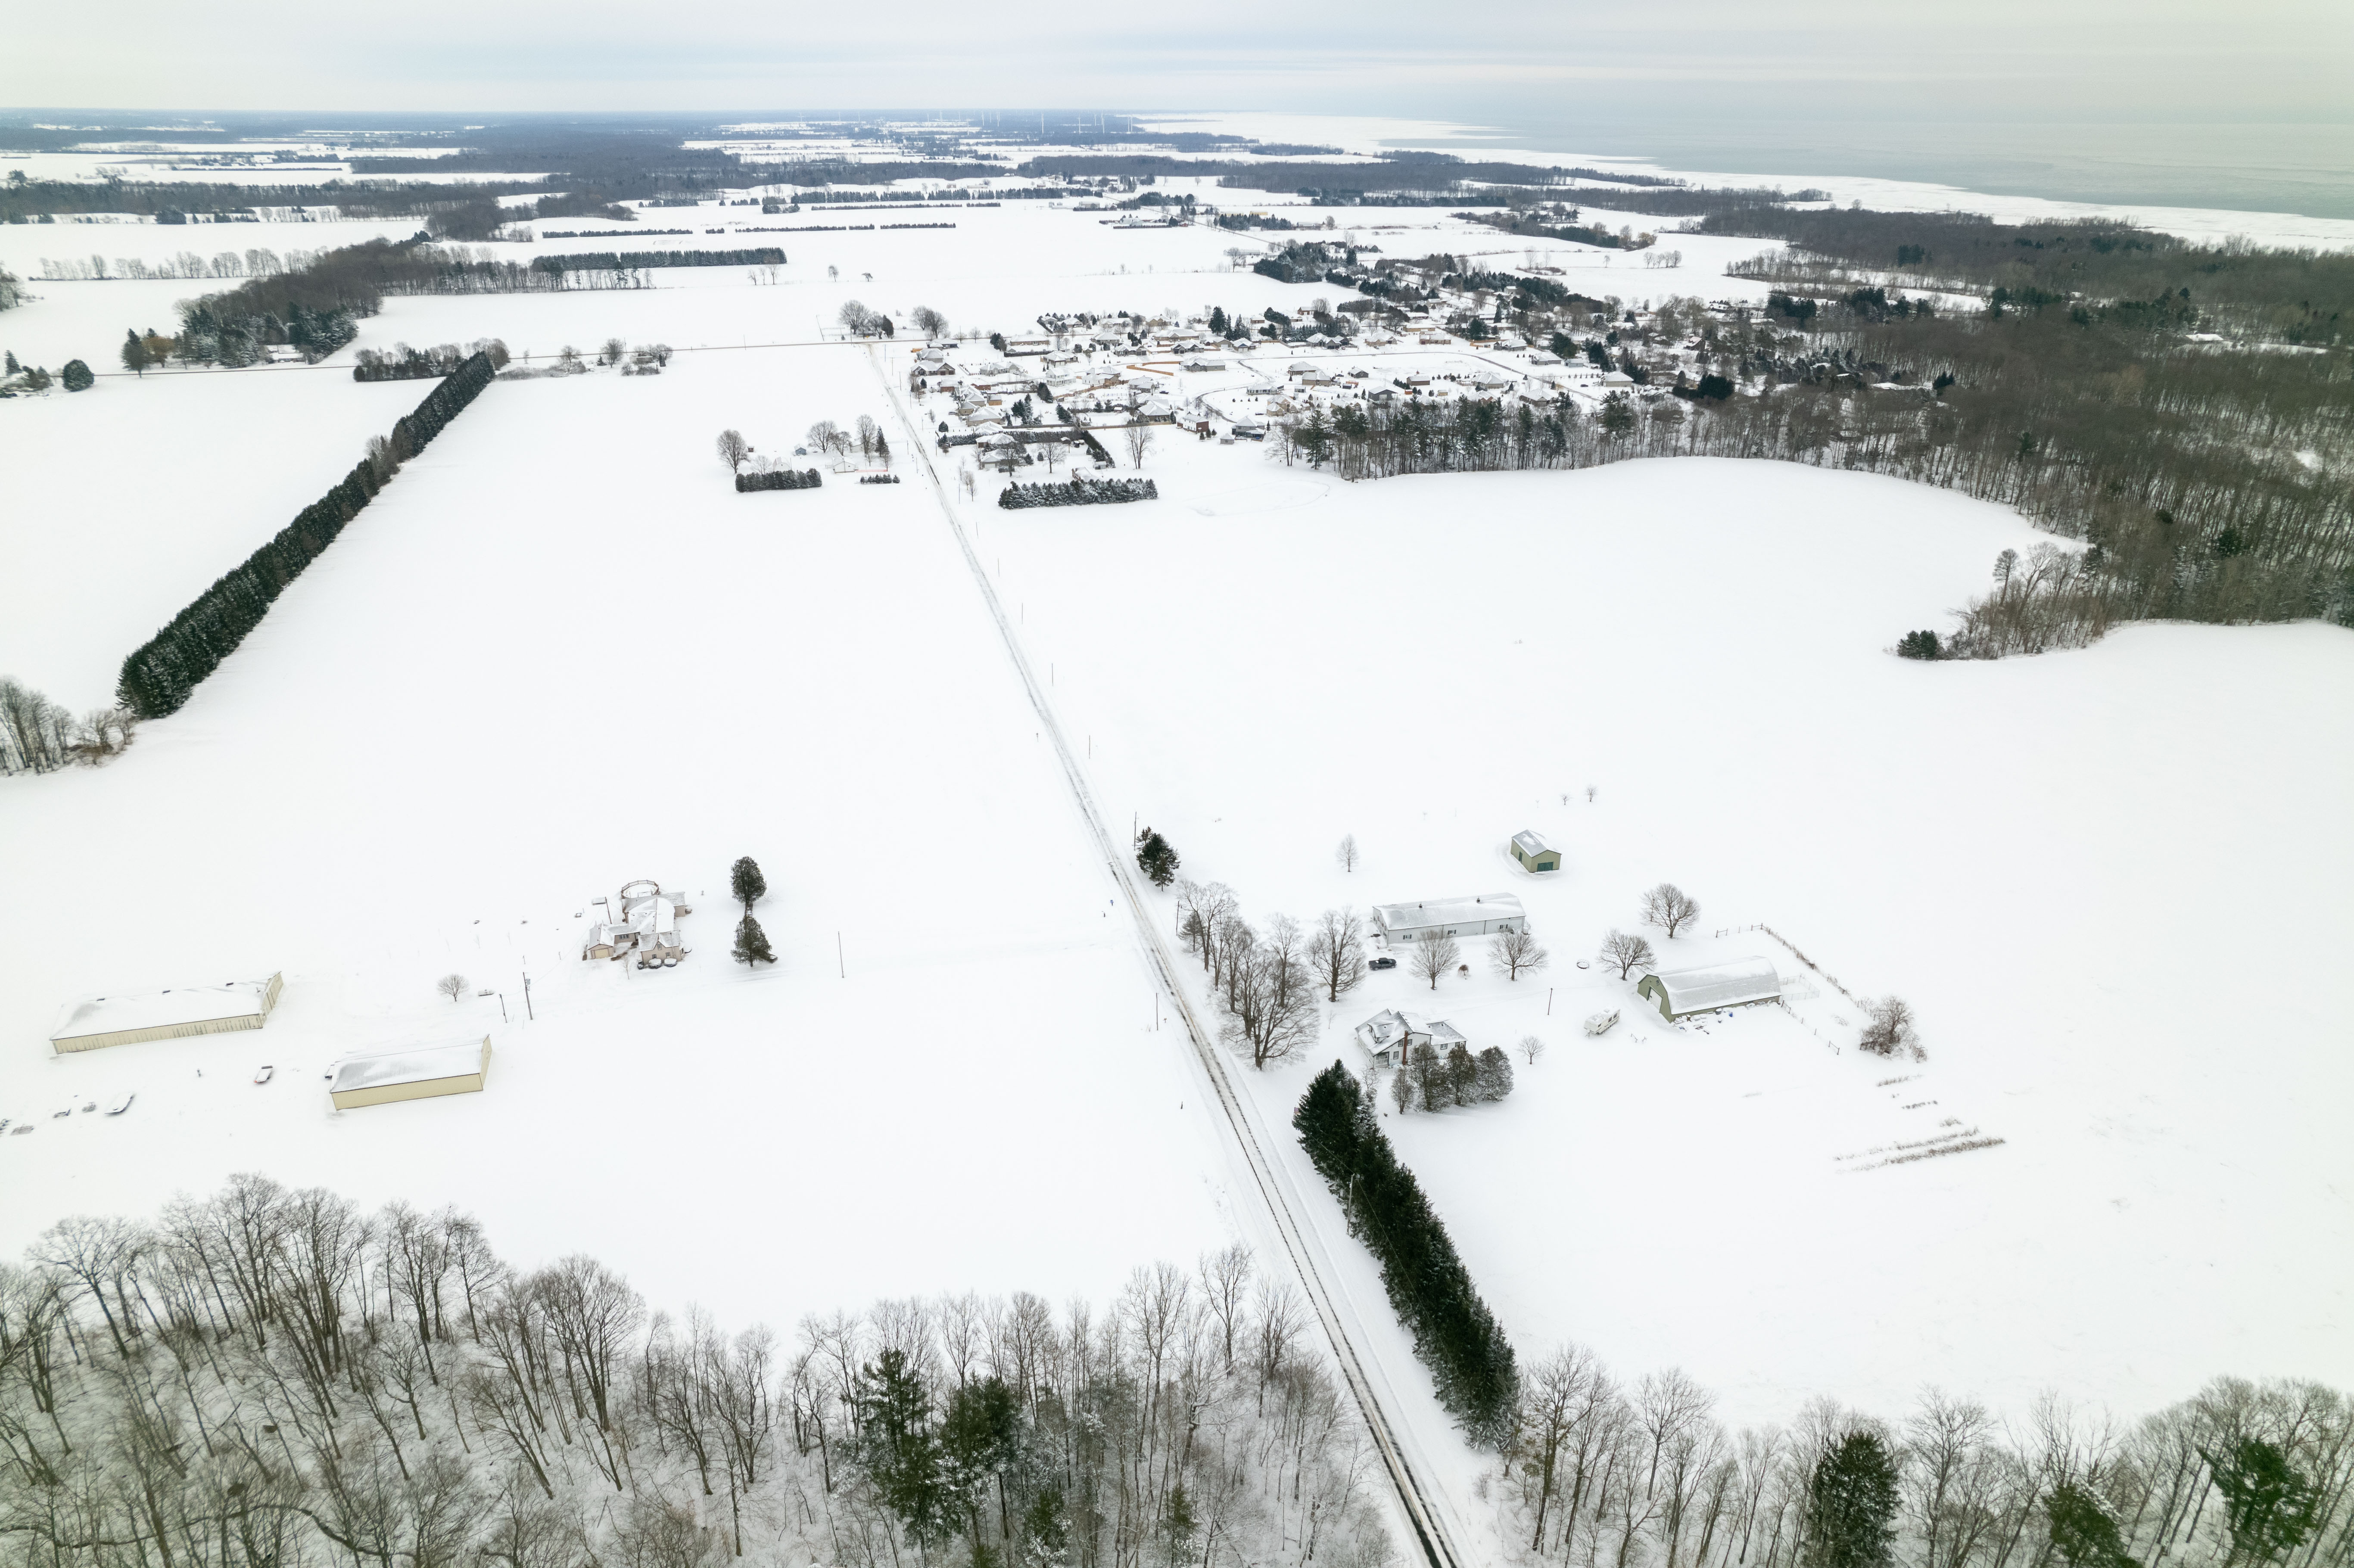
(167, 1015)
(1681, 992)
(643, 922)
(1476, 917)
(412, 1073)
(1531, 850)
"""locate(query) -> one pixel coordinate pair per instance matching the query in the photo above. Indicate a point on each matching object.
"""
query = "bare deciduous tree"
(824, 436)
(452, 986)
(1669, 907)
(868, 432)
(1137, 438)
(733, 449)
(1512, 951)
(855, 317)
(1531, 1049)
(1347, 852)
(1627, 950)
(1434, 954)
(1336, 951)
(1888, 1030)
(927, 321)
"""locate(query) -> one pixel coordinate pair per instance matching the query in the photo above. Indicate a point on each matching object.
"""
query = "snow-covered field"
(559, 653)
(2107, 879)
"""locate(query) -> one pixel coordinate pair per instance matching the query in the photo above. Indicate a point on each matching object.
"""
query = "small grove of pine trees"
(1079, 491)
(160, 675)
(1431, 1081)
(1155, 858)
(778, 479)
(1454, 1333)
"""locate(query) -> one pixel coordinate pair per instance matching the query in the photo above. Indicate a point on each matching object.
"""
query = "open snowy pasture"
(559, 653)
(2108, 880)
(126, 500)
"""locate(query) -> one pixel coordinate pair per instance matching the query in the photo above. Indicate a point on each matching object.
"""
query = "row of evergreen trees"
(1079, 492)
(1454, 1333)
(779, 479)
(159, 676)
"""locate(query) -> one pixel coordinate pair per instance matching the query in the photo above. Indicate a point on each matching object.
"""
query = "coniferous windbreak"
(1080, 491)
(158, 677)
(779, 479)
(1431, 1291)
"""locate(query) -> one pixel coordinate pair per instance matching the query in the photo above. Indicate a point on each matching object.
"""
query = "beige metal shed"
(412, 1073)
(170, 1014)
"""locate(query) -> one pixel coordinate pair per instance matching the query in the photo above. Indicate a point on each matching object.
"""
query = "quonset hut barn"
(1682, 992)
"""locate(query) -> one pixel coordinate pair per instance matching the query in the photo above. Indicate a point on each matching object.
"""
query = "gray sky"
(2167, 59)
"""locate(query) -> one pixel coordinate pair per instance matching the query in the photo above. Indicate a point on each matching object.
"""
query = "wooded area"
(274, 1379)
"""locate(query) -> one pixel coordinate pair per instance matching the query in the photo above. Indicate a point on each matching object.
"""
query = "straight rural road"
(1421, 1508)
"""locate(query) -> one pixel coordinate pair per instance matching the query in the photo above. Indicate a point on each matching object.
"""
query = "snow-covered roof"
(1528, 841)
(1720, 985)
(164, 1008)
(1485, 907)
(411, 1064)
(1384, 1031)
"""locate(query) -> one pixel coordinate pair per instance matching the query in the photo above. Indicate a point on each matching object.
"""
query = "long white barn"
(1478, 915)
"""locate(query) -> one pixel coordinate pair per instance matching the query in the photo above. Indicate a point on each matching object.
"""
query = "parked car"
(263, 1074)
(1380, 963)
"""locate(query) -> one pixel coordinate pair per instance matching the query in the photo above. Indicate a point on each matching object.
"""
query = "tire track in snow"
(1420, 1510)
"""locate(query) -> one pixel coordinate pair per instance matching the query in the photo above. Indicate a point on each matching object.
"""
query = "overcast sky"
(2038, 59)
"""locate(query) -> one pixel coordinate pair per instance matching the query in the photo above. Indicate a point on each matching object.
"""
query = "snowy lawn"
(2108, 880)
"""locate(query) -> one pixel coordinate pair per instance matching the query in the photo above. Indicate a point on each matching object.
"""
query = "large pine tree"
(745, 883)
(751, 943)
(1852, 1505)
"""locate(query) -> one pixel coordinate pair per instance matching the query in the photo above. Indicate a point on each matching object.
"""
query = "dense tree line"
(2093, 437)
(158, 677)
(275, 1379)
(2242, 1476)
(402, 363)
(779, 479)
(1457, 1337)
(1078, 490)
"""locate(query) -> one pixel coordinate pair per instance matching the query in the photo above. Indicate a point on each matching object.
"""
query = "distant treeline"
(1434, 172)
(158, 677)
(633, 261)
(407, 364)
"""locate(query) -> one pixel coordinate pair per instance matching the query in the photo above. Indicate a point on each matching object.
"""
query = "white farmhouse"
(643, 922)
(1475, 917)
(1389, 1035)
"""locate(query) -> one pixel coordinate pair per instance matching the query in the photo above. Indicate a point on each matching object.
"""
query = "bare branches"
(733, 449)
(1336, 951)
(1434, 954)
(1670, 908)
(1627, 951)
(452, 986)
(1510, 952)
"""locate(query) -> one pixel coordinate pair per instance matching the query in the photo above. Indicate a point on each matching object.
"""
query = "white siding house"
(1388, 1035)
